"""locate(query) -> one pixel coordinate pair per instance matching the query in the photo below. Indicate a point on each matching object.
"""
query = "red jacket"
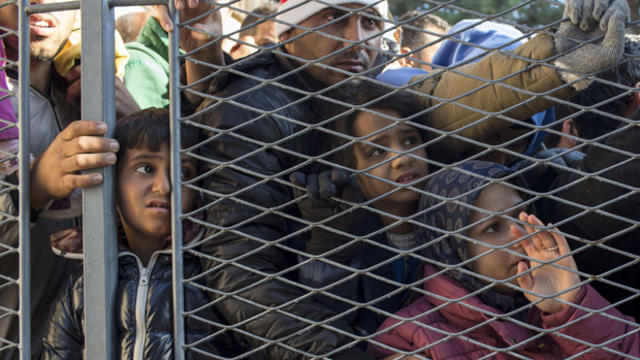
(427, 329)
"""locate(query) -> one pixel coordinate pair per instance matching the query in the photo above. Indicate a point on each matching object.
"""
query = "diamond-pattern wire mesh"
(256, 252)
(275, 296)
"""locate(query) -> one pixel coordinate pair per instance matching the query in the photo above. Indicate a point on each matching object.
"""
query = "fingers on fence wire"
(79, 146)
(539, 279)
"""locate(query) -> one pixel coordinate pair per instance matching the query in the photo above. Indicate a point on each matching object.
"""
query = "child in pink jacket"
(498, 283)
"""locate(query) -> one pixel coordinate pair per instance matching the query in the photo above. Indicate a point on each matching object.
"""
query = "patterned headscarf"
(448, 211)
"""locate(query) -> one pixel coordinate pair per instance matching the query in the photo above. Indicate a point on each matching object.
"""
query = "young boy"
(144, 295)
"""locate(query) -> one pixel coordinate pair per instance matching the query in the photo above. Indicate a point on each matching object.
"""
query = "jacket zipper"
(141, 307)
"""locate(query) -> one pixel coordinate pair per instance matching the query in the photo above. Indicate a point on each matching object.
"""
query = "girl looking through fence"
(381, 143)
(499, 281)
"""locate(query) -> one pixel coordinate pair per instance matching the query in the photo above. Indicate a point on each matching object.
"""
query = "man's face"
(48, 32)
(337, 59)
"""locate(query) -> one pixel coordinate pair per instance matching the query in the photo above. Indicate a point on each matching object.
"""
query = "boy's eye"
(185, 174)
(144, 169)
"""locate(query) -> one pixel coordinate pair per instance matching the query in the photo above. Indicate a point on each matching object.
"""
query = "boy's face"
(394, 154)
(144, 192)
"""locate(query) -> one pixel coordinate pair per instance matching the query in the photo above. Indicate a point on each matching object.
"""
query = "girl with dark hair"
(375, 137)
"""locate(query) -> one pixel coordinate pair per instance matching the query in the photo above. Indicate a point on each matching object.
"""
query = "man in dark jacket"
(257, 122)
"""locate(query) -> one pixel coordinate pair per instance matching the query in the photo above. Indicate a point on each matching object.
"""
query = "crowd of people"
(355, 184)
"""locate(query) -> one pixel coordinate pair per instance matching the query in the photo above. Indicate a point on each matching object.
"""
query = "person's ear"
(404, 59)
(569, 127)
(398, 35)
(286, 36)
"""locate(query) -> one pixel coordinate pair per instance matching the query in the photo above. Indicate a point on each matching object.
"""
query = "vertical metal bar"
(176, 197)
(23, 186)
(100, 245)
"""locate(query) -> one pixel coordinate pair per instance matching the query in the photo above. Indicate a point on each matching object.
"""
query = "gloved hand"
(316, 205)
(576, 36)
(329, 183)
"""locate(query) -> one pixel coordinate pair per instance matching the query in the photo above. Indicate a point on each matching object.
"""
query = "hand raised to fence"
(207, 21)
(80, 146)
(546, 280)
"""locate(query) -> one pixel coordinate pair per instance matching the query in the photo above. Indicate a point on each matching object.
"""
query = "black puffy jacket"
(145, 318)
(255, 296)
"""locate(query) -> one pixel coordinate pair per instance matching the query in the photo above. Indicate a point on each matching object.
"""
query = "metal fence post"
(176, 196)
(100, 245)
(25, 194)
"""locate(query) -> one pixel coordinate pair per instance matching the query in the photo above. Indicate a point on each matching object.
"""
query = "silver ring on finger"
(551, 249)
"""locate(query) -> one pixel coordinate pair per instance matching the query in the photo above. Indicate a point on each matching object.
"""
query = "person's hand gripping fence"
(587, 47)
(316, 206)
(539, 280)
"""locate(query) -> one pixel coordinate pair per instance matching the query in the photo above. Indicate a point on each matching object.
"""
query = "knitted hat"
(296, 11)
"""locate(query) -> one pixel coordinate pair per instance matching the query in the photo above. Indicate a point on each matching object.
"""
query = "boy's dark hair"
(370, 96)
(149, 128)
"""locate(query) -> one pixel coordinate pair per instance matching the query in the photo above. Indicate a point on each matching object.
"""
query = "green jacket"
(147, 72)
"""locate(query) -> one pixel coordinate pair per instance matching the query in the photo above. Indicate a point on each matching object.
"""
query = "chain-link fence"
(363, 188)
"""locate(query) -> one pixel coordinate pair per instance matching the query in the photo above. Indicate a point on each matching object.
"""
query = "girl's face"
(494, 230)
(393, 155)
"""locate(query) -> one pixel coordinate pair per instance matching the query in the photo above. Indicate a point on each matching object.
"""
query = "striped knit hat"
(296, 11)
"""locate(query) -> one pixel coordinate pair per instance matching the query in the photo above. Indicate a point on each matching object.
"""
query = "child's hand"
(546, 280)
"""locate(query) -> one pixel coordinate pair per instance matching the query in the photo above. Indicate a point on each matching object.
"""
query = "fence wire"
(357, 196)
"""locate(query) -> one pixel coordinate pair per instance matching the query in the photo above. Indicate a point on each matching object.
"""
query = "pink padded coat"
(429, 328)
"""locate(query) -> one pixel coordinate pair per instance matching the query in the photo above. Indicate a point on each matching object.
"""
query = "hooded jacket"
(257, 123)
(145, 309)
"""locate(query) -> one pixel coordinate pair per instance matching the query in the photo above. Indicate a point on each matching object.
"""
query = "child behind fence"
(144, 295)
(493, 280)
(379, 141)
